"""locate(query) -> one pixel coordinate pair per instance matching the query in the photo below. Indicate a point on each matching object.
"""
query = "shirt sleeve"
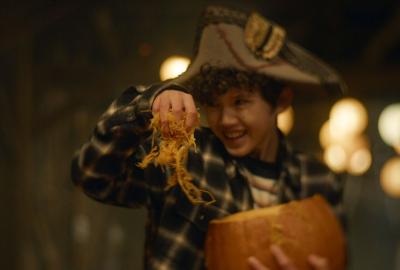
(105, 167)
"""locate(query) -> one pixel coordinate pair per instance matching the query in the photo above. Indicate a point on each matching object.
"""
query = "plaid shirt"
(105, 167)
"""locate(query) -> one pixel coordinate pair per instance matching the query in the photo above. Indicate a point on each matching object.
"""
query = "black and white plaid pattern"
(105, 168)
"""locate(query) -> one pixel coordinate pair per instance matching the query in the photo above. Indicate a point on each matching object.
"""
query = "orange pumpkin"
(299, 227)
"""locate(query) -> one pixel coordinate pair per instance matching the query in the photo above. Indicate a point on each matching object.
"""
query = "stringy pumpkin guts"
(172, 150)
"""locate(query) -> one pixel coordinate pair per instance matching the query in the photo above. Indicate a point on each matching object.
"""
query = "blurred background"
(62, 62)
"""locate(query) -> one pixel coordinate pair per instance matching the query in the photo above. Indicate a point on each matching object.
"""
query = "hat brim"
(222, 45)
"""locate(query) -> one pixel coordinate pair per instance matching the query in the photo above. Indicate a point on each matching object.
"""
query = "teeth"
(233, 135)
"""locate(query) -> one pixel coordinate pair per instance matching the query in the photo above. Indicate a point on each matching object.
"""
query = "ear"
(285, 99)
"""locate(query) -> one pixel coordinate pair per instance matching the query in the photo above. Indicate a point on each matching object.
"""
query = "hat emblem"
(264, 38)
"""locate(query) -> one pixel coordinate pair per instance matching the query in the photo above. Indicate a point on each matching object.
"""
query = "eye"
(241, 102)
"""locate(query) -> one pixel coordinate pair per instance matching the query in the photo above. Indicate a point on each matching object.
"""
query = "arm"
(105, 167)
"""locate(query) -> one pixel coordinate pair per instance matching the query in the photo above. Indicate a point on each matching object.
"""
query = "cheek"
(212, 118)
(261, 121)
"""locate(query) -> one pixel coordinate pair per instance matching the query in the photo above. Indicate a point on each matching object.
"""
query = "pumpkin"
(299, 228)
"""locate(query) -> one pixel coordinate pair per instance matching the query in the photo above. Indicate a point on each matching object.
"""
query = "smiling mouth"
(234, 135)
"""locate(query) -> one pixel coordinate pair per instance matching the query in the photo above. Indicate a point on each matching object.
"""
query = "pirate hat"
(228, 38)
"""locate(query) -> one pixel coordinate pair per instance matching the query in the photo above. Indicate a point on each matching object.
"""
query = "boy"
(241, 73)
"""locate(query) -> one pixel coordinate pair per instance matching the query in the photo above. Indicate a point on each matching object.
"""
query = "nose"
(228, 117)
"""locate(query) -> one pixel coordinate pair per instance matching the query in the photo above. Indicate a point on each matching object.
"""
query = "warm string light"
(397, 148)
(359, 161)
(346, 149)
(173, 66)
(348, 117)
(286, 120)
(389, 125)
(390, 177)
(335, 157)
(389, 130)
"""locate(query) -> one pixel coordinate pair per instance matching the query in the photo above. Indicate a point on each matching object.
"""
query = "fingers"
(156, 105)
(256, 264)
(192, 117)
(165, 104)
(177, 106)
(283, 261)
(318, 263)
(177, 102)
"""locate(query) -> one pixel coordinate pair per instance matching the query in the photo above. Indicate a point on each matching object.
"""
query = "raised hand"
(180, 104)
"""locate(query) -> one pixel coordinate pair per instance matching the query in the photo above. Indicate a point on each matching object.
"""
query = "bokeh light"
(359, 162)
(350, 153)
(335, 157)
(397, 148)
(173, 66)
(348, 117)
(328, 137)
(390, 177)
(355, 143)
(346, 147)
(389, 125)
(325, 135)
(286, 120)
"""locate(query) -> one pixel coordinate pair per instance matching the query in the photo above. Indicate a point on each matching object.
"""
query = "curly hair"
(212, 82)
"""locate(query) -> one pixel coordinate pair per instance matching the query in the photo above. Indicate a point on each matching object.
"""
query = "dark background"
(62, 63)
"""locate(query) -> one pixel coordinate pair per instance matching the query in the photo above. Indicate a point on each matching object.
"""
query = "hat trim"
(238, 59)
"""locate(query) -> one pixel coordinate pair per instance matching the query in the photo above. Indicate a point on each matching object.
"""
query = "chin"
(237, 152)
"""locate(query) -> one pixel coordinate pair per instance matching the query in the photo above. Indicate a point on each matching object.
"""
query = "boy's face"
(244, 122)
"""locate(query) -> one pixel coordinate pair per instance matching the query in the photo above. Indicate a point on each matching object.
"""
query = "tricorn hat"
(229, 38)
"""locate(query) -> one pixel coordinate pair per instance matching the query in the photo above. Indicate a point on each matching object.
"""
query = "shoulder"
(311, 165)
(317, 178)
